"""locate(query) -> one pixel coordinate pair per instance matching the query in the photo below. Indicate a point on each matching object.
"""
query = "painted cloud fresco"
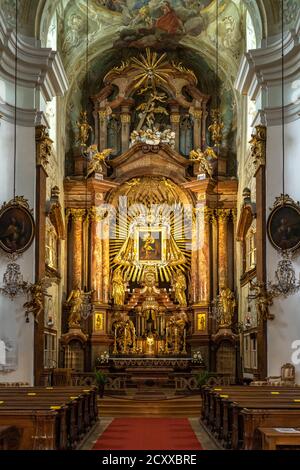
(159, 24)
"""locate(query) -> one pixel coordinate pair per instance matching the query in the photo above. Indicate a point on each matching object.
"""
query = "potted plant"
(101, 380)
(203, 378)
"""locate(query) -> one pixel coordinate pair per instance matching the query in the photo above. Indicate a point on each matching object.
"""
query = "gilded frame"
(156, 253)
(283, 225)
(17, 226)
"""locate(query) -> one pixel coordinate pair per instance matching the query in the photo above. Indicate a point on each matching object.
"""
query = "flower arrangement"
(103, 359)
(197, 357)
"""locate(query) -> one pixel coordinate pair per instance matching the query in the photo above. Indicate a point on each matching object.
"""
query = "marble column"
(96, 249)
(203, 125)
(204, 256)
(77, 232)
(105, 260)
(102, 129)
(223, 215)
(214, 226)
(194, 261)
(175, 122)
(197, 114)
(125, 135)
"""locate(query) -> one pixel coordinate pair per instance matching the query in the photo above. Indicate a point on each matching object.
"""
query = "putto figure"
(205, 160)
(98, 159)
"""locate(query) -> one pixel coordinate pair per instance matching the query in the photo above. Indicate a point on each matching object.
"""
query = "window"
(50, 359)
(250, 250)
(253, 351)
(250, 351)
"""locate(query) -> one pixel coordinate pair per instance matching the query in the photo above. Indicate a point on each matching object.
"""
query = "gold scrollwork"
(258, 146)
(44, 146)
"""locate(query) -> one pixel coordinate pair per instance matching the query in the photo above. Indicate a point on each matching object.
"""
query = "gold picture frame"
(99, 318)
(201, 322)
(283, 226)
(150, 245)
(17, 226)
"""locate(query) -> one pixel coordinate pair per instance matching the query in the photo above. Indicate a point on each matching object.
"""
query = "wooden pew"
(272, 438)
(274, 417)
(9, 438)
(38, 429)
(222, 407)
(76, 411)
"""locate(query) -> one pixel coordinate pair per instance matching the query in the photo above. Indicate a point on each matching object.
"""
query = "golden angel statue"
(179, 286)
(216, 128)
(37, 292)
(118, 287)
(228, 304)
(263, 299)
(205, 160)
(95, 165)
(84, 129)
(76, 301)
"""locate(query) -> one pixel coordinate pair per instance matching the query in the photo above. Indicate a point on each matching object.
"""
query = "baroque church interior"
(149, 224)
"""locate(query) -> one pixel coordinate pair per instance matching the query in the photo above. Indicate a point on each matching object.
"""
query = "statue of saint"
(228, 304)
(75, 300)
(179, 286)
(84, 129)
(118, 287)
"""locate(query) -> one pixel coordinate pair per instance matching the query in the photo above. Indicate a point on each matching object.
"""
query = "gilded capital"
(224, 214)
(258, 146)
(76, 214)
(175, 118)
(102, 115)
(43, 146)
(125, 118)
(197, 114)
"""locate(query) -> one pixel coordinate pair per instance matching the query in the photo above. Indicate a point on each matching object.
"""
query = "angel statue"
(118, 287)
(228, 304)
(263, 299)
(76, 301)
(179, 286)
(205, 160)
(84, 129)
(97, 160)
(35, 304)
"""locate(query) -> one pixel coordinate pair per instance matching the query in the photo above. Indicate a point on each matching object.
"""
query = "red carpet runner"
(148, 434)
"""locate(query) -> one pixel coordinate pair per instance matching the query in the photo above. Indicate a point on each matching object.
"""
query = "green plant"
(101, 378)
(203, 378)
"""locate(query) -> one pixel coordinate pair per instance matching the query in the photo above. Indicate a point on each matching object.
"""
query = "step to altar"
(147, 404)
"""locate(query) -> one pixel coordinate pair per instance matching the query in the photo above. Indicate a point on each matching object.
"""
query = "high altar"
(149, 204)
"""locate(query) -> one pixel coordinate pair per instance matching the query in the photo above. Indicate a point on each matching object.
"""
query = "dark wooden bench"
(223, 407)
(75, 411)
(9, 438)
(274, 438)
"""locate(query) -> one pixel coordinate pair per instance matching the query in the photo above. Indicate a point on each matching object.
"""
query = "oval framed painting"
(17, 227)
(284, 225)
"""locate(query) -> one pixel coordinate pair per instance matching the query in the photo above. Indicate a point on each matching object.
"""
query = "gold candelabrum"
(126, 341)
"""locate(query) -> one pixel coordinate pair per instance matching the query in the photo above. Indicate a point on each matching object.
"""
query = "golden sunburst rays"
(151, 201)
(151, 69)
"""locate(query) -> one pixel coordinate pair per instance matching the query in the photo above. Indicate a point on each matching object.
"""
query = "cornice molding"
(25, 117)
(262, 67)
(273, 116)
(37, 67)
